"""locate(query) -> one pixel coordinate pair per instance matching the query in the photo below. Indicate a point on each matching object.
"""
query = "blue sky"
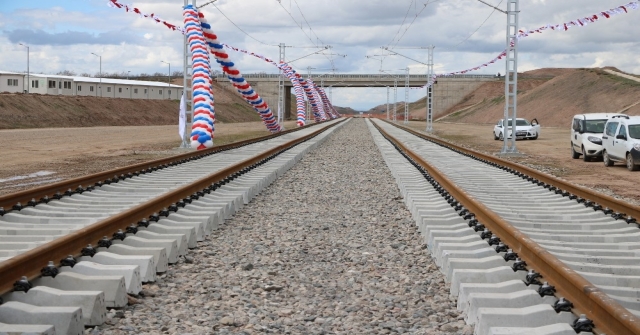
(62, 34)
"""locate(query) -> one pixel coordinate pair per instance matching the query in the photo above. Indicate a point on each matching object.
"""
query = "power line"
(330, 57)
(244, 32)
(407, 29)
(406, 15)
(482, 24)
(305, 20)
(304, 32)
(414, 20)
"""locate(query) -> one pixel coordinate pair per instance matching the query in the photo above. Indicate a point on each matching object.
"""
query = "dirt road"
(550, 153)
(31, 157)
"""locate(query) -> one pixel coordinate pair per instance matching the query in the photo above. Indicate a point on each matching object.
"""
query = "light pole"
(128, 74)
(100, 73)
(169, 77)
(28, 79)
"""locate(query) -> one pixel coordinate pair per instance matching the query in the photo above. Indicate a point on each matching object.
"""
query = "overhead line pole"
(511, 78)
(406, 98)
(430, 91)
(187, 88)
(281, 105)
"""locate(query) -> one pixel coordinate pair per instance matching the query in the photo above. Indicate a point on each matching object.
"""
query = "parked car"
(621, 141)
(586, 135)
(524, 129)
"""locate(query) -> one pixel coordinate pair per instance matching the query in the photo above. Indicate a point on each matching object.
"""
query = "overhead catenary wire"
(482, 24)
(330, 57)
(407, 29)
(414, 20)
(244, 32)
(303, 31)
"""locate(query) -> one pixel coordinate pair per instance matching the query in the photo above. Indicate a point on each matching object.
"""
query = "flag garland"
(202, 128)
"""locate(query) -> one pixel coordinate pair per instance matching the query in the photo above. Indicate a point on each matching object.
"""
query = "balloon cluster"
(299, 91)
(236, 78)
(203, 104)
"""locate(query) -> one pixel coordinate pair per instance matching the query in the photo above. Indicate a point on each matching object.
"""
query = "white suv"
(621, 141)
(586, 135)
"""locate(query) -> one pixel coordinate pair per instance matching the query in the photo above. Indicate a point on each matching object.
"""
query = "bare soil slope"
(51, 111)
(552, 96)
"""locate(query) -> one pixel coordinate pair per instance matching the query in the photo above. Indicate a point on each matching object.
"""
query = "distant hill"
(552, 96)
(19, 110)
(346, 110)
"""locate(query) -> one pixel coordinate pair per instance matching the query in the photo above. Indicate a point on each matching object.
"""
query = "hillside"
(552, 96)
(51, 111)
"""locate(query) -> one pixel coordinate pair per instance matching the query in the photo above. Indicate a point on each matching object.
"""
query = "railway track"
(523, 253)
(86, 248)
(512, 241)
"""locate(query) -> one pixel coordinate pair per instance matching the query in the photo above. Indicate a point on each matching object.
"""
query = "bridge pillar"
(288, 104)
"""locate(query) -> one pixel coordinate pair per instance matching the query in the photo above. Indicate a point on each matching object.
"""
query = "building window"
(145, 91)
(34, 84)
(67, 85)
(91, 88)
(79, 88)
(52, 84)
(119, 89)
(12, 82)
(160, 92)
(169, 92)
(135, 90)
(108, 89)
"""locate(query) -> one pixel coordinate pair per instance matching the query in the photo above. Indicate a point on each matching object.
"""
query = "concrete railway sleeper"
(519, 266)
(131, 230)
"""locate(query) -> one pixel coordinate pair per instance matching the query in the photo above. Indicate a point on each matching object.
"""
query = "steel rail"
(7, 201)
(608, 316)
(583, 192)
(31, 262)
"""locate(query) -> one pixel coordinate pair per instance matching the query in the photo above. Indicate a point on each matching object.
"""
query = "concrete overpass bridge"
(447, 92)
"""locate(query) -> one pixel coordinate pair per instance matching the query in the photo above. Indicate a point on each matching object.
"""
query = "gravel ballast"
(329, 248)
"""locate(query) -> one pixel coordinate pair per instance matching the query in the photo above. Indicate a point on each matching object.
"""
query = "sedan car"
(524, 129)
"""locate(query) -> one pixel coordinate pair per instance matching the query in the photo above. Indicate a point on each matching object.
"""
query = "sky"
(63, 34)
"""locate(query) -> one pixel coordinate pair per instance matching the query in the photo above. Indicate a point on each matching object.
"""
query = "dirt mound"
(53, 111)
(552, 101)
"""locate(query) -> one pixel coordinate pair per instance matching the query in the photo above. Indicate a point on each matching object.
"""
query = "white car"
(524, 129)
(621, 141)
(586, 135)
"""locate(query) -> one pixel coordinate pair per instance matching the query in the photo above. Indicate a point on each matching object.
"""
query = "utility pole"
(99, 56)
(187, 86)
(395, 98)
(430, 83)
(387, 103)
(511, 78)
(406, 98)
(28, 79)
(169, 89)
(281, 104)
(309, 68)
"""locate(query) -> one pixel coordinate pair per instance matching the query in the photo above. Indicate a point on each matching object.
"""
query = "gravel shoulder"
(329, 248)
(34, 157)
(550, 153)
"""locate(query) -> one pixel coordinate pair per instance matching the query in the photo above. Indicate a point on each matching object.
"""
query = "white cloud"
(355, 28)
